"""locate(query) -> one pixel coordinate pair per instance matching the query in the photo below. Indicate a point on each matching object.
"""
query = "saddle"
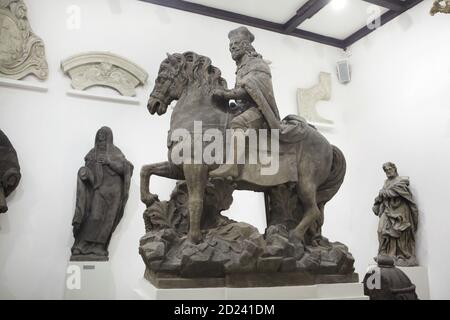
(283, 166)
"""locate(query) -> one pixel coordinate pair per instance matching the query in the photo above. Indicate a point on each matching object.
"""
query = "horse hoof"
(194, 238)
(297, 237)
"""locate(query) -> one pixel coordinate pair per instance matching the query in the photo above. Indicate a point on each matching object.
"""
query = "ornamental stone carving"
(21, 51)
(393, 283)
(308, 99)
(104, 69)
(440, 6)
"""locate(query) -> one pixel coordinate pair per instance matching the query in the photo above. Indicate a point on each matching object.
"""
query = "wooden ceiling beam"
(394, 5)
(385, 18)
(246, 20)
(308, 10)
(217, 13)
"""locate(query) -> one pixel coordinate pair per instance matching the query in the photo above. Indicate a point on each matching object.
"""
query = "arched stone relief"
(104, 69)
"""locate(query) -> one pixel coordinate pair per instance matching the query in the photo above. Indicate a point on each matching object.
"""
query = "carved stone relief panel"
(440, 6)
(21, 51)
(308, 98)
(104, 69)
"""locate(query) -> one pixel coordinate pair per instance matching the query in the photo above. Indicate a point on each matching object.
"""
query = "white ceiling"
(278, 11)
(341, 23)
(329, 22)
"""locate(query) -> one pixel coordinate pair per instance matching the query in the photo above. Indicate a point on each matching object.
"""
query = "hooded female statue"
(102, 192)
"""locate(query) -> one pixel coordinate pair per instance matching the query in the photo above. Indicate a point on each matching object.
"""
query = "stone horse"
(191, 79)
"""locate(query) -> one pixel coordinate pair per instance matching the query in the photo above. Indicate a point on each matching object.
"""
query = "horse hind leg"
(307, 194)
(316, 228)
(196, 176)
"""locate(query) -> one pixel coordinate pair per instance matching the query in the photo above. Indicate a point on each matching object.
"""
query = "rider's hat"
(240, 34)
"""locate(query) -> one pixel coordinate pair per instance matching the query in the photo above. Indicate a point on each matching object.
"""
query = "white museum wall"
(397, 109)
(52, 132)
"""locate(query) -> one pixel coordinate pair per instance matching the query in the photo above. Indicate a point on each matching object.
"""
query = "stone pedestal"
(419, 276)
(89, 280)
(339, 291)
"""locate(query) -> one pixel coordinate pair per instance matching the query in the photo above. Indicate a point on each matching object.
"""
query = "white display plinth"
(89, 280)
(419, 276)
(339, 291)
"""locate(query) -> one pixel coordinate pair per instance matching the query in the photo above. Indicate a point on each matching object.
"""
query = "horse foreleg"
(196, 176)
(162, 169)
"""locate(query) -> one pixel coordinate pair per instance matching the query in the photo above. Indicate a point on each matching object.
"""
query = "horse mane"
(194, 68)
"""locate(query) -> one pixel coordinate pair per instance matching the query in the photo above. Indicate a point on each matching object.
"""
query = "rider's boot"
(232, 170)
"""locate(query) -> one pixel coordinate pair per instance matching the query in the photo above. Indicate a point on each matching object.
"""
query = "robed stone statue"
(102, 192)
(398, 213)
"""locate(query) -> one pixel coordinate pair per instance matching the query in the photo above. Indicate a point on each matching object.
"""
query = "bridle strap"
(160, 94)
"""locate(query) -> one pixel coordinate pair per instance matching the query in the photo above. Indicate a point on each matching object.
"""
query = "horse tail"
(330, 187)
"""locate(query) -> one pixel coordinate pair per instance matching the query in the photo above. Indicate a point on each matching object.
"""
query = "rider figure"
(253, 94)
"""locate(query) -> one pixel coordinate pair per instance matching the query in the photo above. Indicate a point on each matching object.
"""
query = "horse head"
(168, 84)
(176, 72)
